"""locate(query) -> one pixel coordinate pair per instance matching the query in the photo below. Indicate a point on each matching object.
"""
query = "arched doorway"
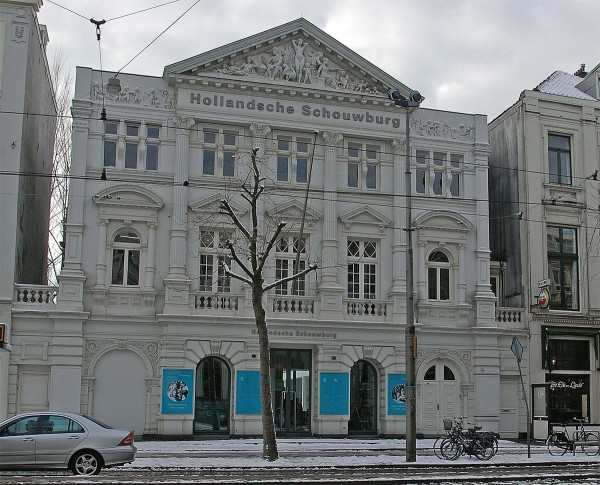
(120, 390)
(213, 384)
(363, 399)
(440, 397)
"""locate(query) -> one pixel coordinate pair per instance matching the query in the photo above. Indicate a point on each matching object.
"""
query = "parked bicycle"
(560, 441)
(472, 441)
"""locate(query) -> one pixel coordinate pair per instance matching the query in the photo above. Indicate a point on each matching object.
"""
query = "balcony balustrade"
(36, 295)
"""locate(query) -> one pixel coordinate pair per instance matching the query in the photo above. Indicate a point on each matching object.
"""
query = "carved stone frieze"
(437, 129)
(95, 346)
(151, 98)
(297, 62)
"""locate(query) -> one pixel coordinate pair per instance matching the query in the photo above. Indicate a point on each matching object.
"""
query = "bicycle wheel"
(437, 447)
(450, 449)
(589, 444)
(557, 444)
(481, 451)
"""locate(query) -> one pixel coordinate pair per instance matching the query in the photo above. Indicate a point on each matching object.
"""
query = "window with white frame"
(219, 150)
(438, 173)
(363, 165)
(142, 142)
(111, 130)
(292, 159)
(562, 267)
(286, 252)
(126, 259)
(362, 269)
(438, 276)
(559, 159)
(213, 253)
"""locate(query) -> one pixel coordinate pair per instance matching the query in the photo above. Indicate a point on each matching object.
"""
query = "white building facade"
(149, 333)
(544, 166)
(27, 126)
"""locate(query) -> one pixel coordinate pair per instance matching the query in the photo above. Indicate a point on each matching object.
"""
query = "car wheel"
(86, 463)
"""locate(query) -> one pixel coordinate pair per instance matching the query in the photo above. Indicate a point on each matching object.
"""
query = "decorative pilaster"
(398, 291)
(177, 283)
(101, 256)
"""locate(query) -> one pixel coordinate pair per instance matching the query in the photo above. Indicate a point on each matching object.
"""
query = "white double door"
(440, 399)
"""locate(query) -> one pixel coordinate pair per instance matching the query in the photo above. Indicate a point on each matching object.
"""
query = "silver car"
(53, 440)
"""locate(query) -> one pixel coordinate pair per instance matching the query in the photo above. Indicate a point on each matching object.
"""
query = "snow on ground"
(313, 452)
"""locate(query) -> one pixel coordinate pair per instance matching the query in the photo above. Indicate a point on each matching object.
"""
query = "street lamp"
(413, 101)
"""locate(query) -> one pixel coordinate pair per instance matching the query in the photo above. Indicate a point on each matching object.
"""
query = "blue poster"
(334, 395)
(247, 392)
(178, 391)
(396, 395)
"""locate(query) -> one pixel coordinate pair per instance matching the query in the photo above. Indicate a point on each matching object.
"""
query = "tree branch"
(236, 258)
(236, 276)
(225, 206)
(312, 267)
(267, 250)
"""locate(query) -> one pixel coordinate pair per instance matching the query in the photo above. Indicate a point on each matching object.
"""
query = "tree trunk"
(269, 440)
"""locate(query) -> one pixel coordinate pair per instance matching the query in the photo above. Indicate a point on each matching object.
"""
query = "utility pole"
(413, 101)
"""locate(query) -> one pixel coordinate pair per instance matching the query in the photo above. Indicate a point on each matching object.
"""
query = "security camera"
(394, 94)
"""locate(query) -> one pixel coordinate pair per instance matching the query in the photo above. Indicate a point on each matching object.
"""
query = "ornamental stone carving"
(399, 146)
(332, 139)
(461, 356)
(436, 129)
(97, 346)
(300, 63)
(151, 98)
(183, 124)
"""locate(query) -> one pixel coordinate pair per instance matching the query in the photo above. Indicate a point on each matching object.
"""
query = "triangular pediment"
(365, 216)
(297, 54)
(293, 212)
(210, 206)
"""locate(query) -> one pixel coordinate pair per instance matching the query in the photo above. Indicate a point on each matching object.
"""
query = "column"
(398, 291)
(177, 283)
(331, 290)
(150, 268)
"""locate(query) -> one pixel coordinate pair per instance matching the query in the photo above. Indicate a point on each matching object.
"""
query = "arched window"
(438, 276)
(126, 259)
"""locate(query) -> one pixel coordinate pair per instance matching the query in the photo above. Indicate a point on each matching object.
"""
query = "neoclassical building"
(148, 331)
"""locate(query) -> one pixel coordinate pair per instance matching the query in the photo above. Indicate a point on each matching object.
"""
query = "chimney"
(581, 72)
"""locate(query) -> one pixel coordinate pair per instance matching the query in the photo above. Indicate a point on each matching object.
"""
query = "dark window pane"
(228, 164)
(153, 131)
(437, 183)
(430, 374)
(432, 283)
(438, 257)
(283, 144)
(152, 157)
(210, 137)
(110, 153)
(133, 267)
(569, 354)
(118, 264)
(420, 181)
(444, 284)
(230, 139)
(455, 185)
(559, 142)
(133, 130)
(282, 169)
(353, 175)
(354, 150)
(422, 157)
(208, 162)
(131, 155)
(448, 374)
(301, 170)
(110, 128)
(371, 176)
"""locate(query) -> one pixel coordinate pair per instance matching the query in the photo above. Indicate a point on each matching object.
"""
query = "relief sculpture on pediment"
(297, 62)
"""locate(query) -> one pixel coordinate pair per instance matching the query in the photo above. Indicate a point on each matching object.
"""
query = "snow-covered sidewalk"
(313, 452)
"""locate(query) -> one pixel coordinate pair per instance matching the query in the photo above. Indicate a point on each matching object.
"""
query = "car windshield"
(99, 423)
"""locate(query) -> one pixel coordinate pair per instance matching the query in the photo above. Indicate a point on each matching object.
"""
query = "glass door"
(290, 385)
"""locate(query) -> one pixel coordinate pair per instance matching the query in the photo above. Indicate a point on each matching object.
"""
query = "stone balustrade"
(36, 294)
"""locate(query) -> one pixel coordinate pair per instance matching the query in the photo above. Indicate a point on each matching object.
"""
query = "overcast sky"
(473, 56)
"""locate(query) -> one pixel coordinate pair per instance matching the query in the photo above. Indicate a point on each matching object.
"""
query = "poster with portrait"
(397, 394)
(178, 391)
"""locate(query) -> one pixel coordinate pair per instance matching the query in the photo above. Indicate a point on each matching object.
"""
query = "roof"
(563, 84)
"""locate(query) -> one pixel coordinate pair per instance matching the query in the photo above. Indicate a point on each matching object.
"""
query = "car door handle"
(28, 439)
(73, 437)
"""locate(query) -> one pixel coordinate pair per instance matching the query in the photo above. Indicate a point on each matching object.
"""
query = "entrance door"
(363, 398)
(213, 381)
(440, 398)
(290, 385)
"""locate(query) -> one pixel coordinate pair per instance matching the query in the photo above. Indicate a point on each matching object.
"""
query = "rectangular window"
(209, 153)
(362, 269)
(228, 164)
(213, 255)
(286, 251)
(110, 144)
(438, 173)
(562, 268)
(559, 159)
(152, 145)
(363, 161)
(131, 150)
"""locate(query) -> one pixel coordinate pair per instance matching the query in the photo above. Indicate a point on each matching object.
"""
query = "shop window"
(363, 165)
(126, 259)
(362, 269)
(438, 275)
(559, 159)
(213, 254)
(562, 268)
(438, 173)
(286, 251)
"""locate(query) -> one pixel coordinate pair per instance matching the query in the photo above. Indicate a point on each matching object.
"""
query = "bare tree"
(253, 276)
(62, 80)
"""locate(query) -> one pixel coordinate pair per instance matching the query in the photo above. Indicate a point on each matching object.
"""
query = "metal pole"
(409, 339)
